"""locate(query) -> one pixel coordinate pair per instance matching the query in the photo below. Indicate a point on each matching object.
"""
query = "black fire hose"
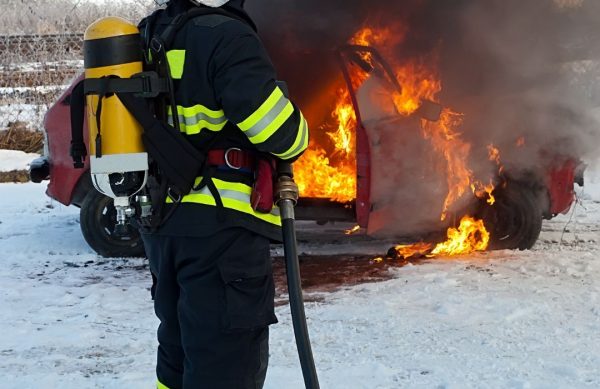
(286, 198)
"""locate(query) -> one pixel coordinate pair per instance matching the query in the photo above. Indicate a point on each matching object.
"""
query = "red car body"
(65, 180)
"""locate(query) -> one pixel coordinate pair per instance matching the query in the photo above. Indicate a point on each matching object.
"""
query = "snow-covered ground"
(15, 160)
(531, 319)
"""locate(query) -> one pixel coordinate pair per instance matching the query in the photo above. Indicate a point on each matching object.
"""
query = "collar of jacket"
(235, 7)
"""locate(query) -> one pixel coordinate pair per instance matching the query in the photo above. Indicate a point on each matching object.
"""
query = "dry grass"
(18, 137)
(20, 176)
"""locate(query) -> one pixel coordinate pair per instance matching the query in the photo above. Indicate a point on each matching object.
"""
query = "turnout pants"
(214, 297)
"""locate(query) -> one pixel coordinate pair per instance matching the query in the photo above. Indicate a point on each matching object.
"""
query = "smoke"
(524, 74)
(526, 70)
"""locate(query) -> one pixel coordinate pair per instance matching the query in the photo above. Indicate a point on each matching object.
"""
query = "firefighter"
(214, 291)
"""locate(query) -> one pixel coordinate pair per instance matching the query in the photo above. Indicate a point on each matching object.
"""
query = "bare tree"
(40, 51)
(30, 17)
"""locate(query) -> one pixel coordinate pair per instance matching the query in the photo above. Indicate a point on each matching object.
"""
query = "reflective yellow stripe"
(301, 142)
(196, 109)
(235, 196)
(268, 118)
(193, 120)
(176, 60)
(160, 385)
(264, 109)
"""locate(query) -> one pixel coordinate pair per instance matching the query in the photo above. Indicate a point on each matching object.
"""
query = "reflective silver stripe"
(269, 118)
(301, 146)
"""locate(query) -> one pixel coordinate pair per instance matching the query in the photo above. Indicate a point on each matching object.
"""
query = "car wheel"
(515, 220)
(98, 218)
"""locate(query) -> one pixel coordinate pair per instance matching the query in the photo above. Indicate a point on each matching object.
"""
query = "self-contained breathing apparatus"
(134, 151)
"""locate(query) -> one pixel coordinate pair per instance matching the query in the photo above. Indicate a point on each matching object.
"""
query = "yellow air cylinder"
(112, 48)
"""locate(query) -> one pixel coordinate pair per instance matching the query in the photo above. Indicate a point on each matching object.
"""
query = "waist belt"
(233, 158)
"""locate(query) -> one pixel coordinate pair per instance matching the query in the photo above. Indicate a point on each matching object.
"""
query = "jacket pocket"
(249, 290)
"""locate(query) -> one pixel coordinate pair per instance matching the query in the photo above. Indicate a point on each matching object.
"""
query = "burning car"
(385, 154)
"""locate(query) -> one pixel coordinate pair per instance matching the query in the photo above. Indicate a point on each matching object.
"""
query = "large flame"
(329, 170)
(420, 81)
(331, 174)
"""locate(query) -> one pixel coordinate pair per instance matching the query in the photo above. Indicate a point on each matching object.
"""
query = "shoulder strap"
(147, 27)
(168, 35)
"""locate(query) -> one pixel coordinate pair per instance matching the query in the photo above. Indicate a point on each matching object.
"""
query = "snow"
(37, 66)
(34, 89)
(15, 160)
(503, 319)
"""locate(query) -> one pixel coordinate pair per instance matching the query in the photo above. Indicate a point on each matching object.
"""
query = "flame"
(328, 168)
(329, 171)
(446, 141)
(406, 251)
(470, 236)
(420, 81)
(494, 154)
(352, 230)
(520, 141)
(389, 36)
(343, 138)
(489, 189)
(332, 175)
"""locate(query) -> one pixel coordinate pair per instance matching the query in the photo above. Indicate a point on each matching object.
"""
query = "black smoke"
(512, 66)
(515, 68)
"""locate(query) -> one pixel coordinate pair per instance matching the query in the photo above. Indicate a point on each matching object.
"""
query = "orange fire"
(353, 230)
(407, 251)
(331, 175)
(482, 191)
(329, 170)
(494, 154)
(470, 236)
(419, 82)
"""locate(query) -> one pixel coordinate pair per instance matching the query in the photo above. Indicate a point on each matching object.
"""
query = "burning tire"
(515, 220)
(98, 218)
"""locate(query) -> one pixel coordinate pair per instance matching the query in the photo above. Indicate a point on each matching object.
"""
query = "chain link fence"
(40, 51)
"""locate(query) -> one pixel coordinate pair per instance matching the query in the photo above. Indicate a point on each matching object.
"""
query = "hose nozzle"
(286, 189)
